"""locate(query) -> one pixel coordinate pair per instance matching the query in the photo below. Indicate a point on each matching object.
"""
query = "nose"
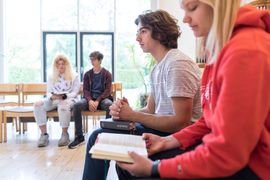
(138, 37)
(186, 18)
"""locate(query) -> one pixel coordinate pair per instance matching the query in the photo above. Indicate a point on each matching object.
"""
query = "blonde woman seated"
(62, 79)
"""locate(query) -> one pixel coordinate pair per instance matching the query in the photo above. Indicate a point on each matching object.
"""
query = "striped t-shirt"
(176, 75)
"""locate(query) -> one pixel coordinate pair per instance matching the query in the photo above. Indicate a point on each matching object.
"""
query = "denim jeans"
(48, 105)
(82, 105)
(94, 169)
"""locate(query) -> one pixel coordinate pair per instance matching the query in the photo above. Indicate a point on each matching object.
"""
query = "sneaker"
(64, 140)
(77, 142)
(43, 140)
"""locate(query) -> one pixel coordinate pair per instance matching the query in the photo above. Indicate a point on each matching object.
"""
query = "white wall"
(2, 42)
(186, 42)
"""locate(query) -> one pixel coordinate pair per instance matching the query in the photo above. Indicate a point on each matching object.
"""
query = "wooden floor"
(20, 158)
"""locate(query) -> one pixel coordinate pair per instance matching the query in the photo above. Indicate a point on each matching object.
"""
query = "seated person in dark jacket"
(97, 84)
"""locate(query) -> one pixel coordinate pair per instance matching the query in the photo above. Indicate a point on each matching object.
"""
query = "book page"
(122, 140)
(120, 151)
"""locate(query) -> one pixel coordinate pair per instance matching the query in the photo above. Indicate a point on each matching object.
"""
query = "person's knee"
(38, 104)
(63, 106)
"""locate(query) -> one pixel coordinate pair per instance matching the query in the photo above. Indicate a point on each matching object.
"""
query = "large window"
(23, 41)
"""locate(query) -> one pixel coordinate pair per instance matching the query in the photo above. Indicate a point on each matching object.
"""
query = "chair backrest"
(113, 91)
(81, 89)
(201, 66)
(10, 89)
(33, 89)
(118, 87)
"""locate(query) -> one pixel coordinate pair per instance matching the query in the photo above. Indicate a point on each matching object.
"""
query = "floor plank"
(21, 159)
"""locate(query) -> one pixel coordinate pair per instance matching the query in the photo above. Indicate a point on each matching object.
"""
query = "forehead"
(61, 61)
(139, 26)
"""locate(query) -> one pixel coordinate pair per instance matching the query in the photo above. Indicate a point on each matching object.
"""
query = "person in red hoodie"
(232, 139)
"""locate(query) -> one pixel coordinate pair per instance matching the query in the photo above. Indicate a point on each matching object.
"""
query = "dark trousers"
(82, 105)
(94, 169)
(245, 174)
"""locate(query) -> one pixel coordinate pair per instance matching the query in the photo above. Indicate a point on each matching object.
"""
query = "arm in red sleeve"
(193, 134)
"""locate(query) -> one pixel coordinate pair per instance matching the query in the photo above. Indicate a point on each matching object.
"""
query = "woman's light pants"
(48, 105)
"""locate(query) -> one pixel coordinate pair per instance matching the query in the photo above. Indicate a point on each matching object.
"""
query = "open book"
(113, 146)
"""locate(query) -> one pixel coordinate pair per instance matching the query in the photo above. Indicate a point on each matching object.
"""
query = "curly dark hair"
(163, 26)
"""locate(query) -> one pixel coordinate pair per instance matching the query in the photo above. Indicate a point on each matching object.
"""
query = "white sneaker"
(43, 140)
(64, 141)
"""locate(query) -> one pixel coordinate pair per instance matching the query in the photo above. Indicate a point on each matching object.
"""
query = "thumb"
(134, 155)
(146, 136)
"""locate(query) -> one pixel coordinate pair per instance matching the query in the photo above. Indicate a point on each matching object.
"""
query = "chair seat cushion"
(3, 101)
(21, 109)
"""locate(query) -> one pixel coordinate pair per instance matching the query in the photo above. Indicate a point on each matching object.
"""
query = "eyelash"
(193, 9)
(143, 31)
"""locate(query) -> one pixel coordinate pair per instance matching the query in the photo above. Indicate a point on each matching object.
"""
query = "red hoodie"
(235, 93)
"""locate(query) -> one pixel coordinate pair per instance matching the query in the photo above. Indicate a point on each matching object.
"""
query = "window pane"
(23, 44)
(97, 15)
(59, 15)
(97, 42)
(126, 72)
(60, 43)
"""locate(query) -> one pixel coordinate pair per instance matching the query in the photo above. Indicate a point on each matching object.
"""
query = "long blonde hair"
(225, 13)
(68, 70)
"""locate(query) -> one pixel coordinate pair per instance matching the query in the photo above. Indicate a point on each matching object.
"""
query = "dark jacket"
(106, 80)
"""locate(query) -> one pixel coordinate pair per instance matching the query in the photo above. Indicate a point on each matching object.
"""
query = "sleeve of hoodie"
(237, 120)
(86, 87)
(76, 88)
(107, 92)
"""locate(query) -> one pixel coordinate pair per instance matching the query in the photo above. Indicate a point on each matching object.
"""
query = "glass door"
(93, 41)
(58, 42)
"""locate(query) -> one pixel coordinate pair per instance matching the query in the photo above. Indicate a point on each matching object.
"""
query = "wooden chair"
(201, 66)
(1, 120)
(118, 87)
(10, 90)
(25, 113)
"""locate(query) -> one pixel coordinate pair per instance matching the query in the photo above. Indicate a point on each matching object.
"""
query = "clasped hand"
(121, 110)
(93, 105)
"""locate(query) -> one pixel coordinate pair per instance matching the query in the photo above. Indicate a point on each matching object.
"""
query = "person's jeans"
(82, 105)
(94, 169)
(48, 105)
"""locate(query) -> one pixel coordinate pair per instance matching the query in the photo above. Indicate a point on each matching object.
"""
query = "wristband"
(50, 98)
(154, 171)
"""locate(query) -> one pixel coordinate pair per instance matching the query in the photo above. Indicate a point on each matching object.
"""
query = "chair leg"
(19, 125)
(86, 127)
(5, 127)
(84, 119)
(16, 123)
(1, 117)
(24, 127)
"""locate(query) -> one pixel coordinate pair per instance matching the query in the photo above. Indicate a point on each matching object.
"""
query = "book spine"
(119, 126)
